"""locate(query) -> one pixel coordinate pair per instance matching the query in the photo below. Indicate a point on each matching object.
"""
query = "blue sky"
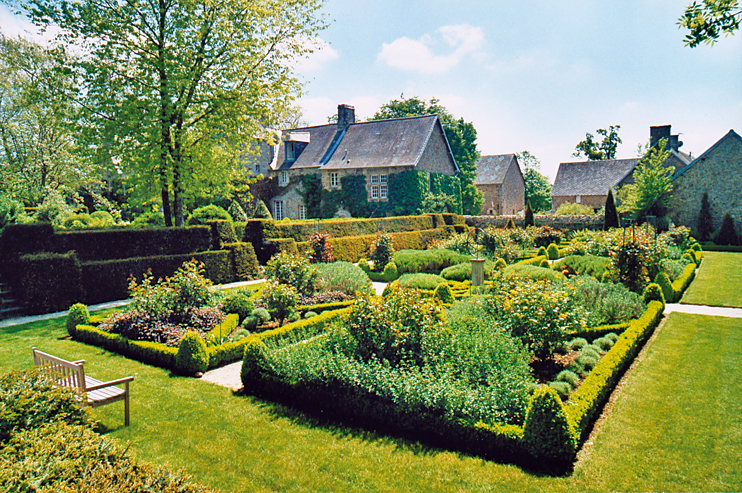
(530, 75)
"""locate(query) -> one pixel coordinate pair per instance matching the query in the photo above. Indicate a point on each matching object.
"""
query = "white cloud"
(322, 55)
(417, 54)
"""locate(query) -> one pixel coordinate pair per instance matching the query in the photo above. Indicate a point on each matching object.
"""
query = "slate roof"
(491, 170)
(591, 177)
(397, 142)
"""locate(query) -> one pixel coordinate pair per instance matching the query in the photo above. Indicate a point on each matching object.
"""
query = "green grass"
(718, 281)
(676, 426)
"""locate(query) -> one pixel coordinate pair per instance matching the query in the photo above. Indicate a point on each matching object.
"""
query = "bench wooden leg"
(126, 404)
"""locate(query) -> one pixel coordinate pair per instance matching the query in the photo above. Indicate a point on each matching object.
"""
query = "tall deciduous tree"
(37, 148)
(605, 149)
(652, 187)
(461, 135)
(175, 88)
(709, 20)
(538, 188)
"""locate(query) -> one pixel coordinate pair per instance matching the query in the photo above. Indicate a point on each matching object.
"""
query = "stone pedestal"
(477, 271)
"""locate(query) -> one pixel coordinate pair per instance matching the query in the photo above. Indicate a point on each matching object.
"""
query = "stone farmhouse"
(500, 179)
(374, 149)
(718, 172)
(588, 182)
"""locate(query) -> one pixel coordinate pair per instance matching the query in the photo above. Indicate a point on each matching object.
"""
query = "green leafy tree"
(461, 135)
(37, 145)
(709, 19)
(652, 188)
(605, 149)
(173, 89)
(538, 188)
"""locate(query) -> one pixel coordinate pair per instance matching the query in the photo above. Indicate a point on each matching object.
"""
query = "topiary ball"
(553, 251)
(390, 272)
(443, 293)
(239, 303)
(251, 322)
(191, 357)
(653, 292)
(78, 315)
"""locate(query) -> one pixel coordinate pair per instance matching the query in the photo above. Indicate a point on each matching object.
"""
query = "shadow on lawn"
(404, 441)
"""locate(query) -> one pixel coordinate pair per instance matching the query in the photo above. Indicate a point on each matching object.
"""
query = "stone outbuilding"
(375, 149)
(501, 182)
(718, 172)
(588, 182)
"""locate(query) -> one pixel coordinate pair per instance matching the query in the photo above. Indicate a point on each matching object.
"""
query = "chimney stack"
(674, 143)
(346, 116)
(657, 133)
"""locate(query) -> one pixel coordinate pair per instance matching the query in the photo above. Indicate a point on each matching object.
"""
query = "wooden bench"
(72, 374)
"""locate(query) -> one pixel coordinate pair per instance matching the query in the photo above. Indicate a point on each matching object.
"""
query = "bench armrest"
(109, 384)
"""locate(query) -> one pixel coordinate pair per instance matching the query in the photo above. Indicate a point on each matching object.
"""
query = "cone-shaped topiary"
(610, 219)
(191, 357)
(553, 252)
(663, 281)
(443, 293)
(653, 292)
(78, 315)
(529, 215)
(705, 221)
(727, 234)
(261, 211)
(510, 224)
(547, 433)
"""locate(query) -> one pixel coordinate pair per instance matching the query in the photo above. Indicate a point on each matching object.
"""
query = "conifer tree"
(529, 215)
(611, 214)
(704, 225)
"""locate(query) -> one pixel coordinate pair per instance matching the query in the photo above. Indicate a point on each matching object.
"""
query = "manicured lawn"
(676, 426)
(718, 281)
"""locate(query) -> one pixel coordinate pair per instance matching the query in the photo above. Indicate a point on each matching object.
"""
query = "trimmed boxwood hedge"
(682, 282)
(49, 282)
(107, 244)
(108, 280)
(585, 403)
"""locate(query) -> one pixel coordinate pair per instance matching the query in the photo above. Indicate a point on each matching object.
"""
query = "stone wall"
(513, 191)
(491, 195)
(594, 201)
(436, 157)
(718, 172)
(563, 223)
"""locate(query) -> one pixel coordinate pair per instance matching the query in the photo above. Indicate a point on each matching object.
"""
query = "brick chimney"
(657, 133)
(674, 143)
(346, 116)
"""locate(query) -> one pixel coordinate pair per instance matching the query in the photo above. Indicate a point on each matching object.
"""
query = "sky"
(533, 75)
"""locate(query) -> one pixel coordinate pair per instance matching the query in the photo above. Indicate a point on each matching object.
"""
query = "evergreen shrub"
(78, 315)
(203, 215)
(663, 281)
(653, 292)
(191, 357)
(443, 293)
(547, 432)
(420, 281)
(552, 251)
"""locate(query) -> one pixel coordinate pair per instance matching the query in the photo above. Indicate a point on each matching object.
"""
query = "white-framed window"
(383, 190)
(283, 178)
(375, 191)
(302, 212)
(382, 178)
(578, 199)
(334, 179)
(374, 178)
(278, 210)
(290, 156)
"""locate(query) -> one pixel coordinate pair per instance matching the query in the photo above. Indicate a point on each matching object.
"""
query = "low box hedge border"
(491, 441)
(156, 354)
(681, 283)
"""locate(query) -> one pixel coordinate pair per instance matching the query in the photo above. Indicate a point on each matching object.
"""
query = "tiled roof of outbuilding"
(591, 177)
(491, 170)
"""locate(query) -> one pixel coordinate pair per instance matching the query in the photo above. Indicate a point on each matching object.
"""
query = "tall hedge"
(49, 282)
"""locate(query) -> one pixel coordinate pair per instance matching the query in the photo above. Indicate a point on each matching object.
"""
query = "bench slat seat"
(72, 374)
